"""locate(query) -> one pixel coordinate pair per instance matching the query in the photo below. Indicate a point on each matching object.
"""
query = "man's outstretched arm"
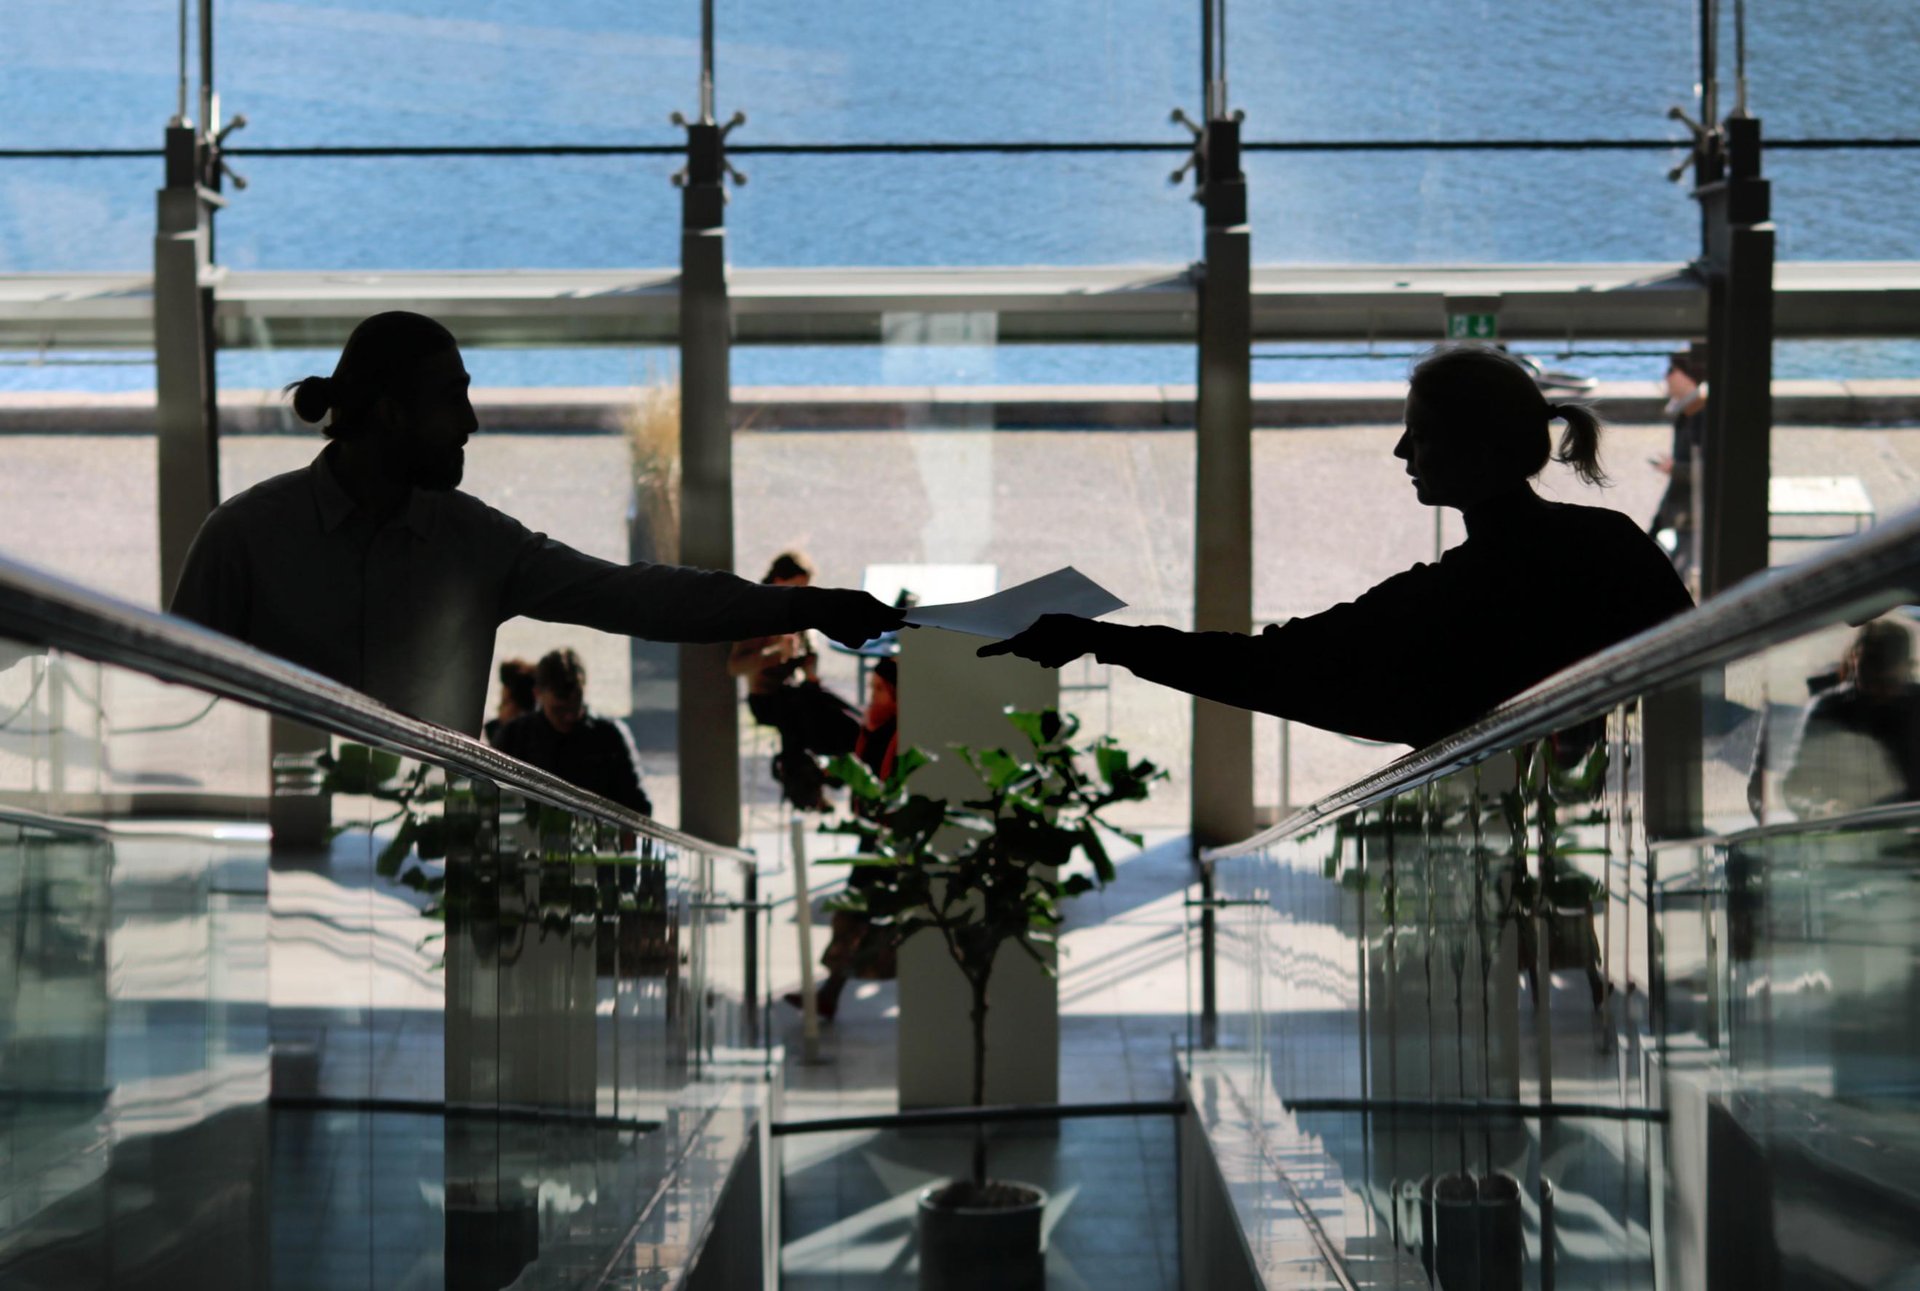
(552, 581)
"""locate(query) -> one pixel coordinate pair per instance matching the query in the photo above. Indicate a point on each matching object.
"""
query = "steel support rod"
(1209, 963)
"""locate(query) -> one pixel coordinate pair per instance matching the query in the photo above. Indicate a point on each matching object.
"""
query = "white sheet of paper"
(1064, 591)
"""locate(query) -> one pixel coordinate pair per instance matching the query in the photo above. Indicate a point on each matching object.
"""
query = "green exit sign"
(1472, 327)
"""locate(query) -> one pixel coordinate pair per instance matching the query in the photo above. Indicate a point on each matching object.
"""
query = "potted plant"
(984, 874)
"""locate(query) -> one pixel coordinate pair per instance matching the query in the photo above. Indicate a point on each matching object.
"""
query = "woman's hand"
(1053, 640)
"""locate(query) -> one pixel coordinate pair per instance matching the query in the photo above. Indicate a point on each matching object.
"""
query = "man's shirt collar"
(336, 504)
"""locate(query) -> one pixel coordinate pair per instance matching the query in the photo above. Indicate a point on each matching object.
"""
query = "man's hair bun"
(313, 398)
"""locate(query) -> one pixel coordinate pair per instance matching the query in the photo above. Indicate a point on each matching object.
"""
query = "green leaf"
(854, 773)
(1097, 853)
(905, 763)
(396, 850)
(383, 766)
(998, 768)
(919, 816)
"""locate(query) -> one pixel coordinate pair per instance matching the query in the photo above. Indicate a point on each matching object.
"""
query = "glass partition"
(1542, 1017)
(346, 1018)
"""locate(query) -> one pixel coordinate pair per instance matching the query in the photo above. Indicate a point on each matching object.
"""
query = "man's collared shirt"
(406, 611)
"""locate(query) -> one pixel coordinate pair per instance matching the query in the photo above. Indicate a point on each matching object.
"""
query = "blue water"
(597, 71)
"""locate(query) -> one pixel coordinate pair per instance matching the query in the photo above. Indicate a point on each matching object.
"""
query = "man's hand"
(851, 617)
(1053, 640)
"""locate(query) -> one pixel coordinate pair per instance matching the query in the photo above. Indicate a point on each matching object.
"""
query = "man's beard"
(441, 472)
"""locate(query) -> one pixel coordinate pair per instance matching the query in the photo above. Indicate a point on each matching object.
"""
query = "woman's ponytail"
(1580, 444)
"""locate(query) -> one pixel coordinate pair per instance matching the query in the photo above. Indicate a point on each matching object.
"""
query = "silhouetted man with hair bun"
(1536, 586)
(370, 567)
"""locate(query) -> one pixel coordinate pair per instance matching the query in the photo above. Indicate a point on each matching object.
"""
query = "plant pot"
(966, 1246)
(1456, 1233)
(1503, 1248)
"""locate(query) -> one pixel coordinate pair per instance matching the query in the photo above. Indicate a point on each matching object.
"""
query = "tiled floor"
(1112, 1216)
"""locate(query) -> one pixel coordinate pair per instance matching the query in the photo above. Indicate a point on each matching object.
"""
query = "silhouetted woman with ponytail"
(1536, 586)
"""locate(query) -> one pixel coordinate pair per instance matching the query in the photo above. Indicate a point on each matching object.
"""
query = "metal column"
(1736, 263)
(709, 727)
(1736, 454)
(184, 343)
(183, 352)
(1222, 786)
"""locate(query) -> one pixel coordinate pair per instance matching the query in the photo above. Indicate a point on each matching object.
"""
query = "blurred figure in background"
(784, 692)
(516, 697)
(858, 949)
(562, 737)
(1673, 519)
(1859, 740)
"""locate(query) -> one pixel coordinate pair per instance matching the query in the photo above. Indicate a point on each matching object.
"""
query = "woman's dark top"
(1536, 586)
(596, 755)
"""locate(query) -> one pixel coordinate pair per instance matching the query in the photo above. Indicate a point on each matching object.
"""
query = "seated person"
(1536, 586)
(516, 697)
(563, 738)
(784, 692)
(858, 949)
(1859, 740)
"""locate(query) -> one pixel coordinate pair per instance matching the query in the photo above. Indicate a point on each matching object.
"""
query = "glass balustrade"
(348, 1017)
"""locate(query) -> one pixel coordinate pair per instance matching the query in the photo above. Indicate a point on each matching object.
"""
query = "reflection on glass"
(465, 1041)
(1858, 739)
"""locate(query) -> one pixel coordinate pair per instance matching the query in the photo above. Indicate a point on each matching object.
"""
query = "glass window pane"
(424, 72)
(962, 209)
(97, 75)
(77, 216)
(1435, 69)
(452, 213)
(1073, 69)
(1503, 207)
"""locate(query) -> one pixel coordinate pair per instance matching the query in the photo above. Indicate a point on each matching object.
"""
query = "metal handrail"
(1858, 578)
(40, 609)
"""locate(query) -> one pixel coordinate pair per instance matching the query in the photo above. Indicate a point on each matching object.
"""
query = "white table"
(931, 584)
(1825, 497)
